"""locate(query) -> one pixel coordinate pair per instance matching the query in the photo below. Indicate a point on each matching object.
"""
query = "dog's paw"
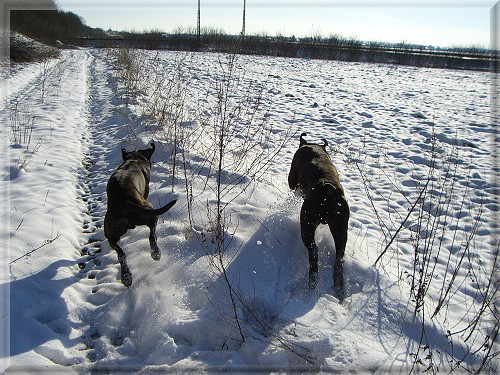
(127, 278)
(339, 293)
(156, 254)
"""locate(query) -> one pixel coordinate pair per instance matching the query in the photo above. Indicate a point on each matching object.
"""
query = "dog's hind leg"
(308, 224)
(340, 237)
(155, 250)
(338, 228)
(126, 275)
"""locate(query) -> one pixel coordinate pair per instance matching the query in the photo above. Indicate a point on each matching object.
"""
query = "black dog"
(314, 174)
(127, 190)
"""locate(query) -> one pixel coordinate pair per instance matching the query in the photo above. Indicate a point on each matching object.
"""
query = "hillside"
(49, 26)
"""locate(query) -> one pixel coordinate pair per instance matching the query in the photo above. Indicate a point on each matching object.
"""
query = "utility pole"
(243, 28)
(198, 28)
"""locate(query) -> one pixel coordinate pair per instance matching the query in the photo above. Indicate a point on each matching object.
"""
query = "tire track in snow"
(109, 125)
(56, 288)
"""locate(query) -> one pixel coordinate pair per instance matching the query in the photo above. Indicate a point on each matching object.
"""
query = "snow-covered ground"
(414, 150)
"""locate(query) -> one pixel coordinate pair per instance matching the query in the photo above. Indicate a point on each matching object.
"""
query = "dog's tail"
(150, 211)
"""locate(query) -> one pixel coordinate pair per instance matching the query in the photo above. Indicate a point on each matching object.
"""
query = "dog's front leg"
(293, 175)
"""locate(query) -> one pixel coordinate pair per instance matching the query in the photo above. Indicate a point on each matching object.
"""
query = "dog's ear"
(325, 143)
(302, 140)
(124, 153)
(149, 151)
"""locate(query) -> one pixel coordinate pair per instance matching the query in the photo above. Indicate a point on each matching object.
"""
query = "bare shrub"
(22, 122)
(440, 220)
(236, 150)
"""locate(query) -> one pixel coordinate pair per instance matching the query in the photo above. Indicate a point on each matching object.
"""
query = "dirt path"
(56, 204)
(100, 269)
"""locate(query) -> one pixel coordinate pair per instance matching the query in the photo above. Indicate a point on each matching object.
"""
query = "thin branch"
(45, 243)
(393, 237)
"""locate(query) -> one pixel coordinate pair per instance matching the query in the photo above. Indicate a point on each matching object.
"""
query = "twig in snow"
(19, 226)
(402, 223)
(46, 196)
(261, 223)
(45, 243)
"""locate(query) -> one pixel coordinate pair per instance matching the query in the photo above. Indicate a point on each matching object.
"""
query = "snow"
(394, 132)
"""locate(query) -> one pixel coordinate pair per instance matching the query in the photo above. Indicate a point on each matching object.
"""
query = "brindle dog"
(317, 179)
(127, 190)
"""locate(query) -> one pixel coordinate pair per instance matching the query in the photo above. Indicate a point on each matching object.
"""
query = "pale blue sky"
(436, 22)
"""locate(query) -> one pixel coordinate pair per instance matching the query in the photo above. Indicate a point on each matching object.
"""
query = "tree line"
(334, 47)
(50, 26)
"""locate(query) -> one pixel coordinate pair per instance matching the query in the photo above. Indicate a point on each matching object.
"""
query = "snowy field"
(414, 151)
